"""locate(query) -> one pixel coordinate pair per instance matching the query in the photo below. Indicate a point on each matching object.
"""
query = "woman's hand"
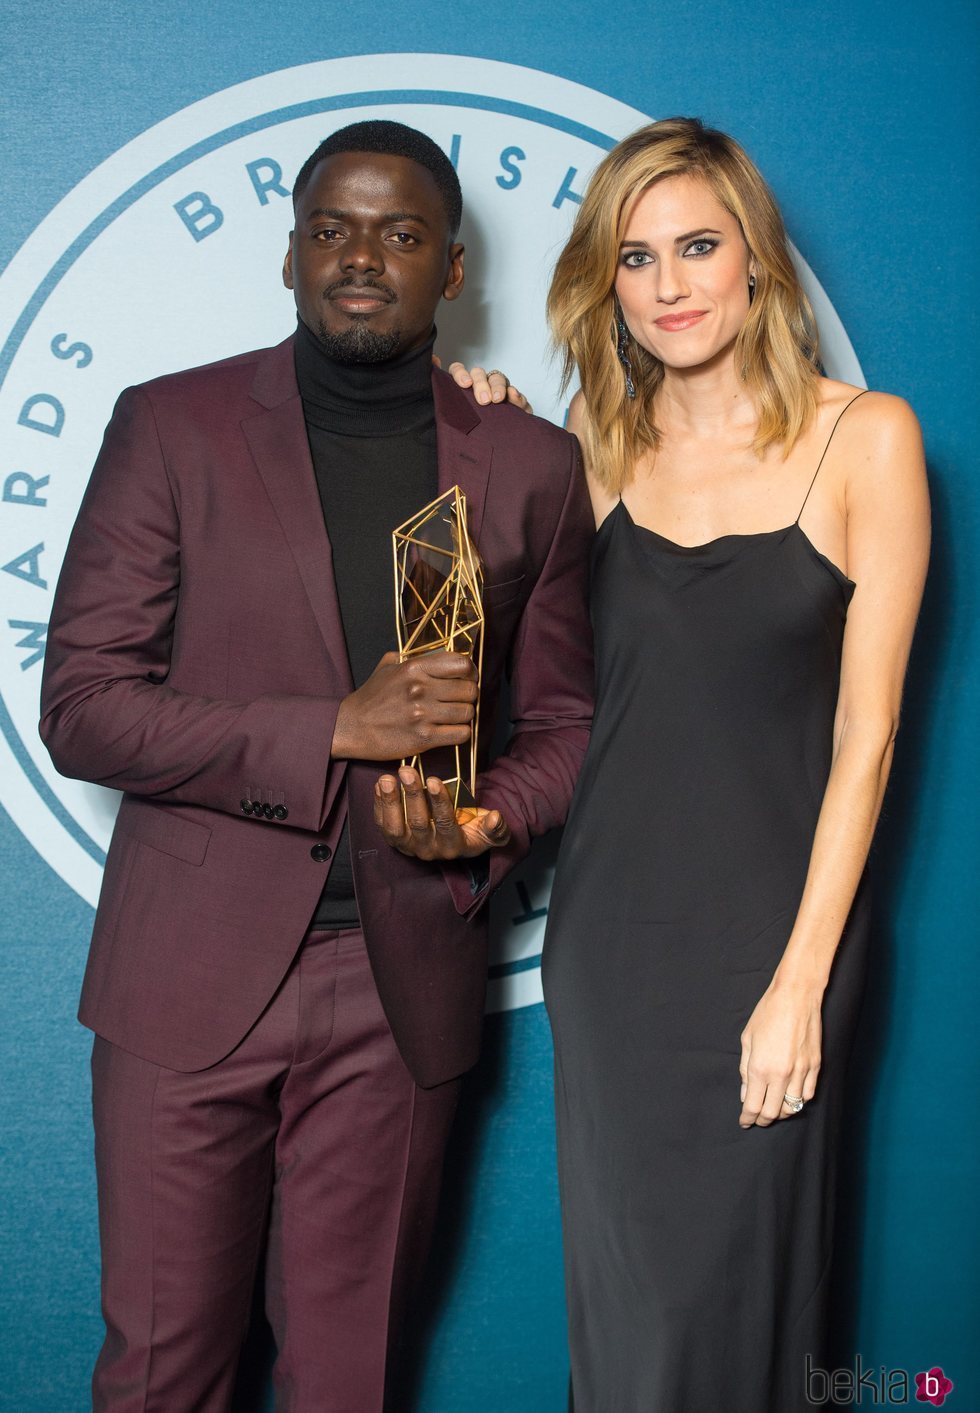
(487, 387)
(780, 1053)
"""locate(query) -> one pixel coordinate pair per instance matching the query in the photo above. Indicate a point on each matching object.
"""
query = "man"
(283, 1001)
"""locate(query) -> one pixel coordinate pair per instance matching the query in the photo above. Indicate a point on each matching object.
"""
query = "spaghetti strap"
(826, 449)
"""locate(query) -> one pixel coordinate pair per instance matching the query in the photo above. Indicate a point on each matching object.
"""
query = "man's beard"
(359, 343)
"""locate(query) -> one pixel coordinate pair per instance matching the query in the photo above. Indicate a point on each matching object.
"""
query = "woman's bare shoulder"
(871, 410)
(878, 444)
(577, 413)
(603, 501)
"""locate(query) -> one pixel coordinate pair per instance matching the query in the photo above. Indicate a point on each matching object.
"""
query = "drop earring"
(623, 350)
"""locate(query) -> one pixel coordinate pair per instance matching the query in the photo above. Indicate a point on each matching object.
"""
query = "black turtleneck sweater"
(372, 433)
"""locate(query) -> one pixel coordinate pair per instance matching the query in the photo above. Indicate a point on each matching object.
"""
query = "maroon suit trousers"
(312, 1137)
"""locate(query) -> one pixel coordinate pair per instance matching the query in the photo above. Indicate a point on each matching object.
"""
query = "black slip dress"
(697, 1253)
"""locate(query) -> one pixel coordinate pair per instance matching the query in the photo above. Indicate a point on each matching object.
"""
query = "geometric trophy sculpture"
(439, 605)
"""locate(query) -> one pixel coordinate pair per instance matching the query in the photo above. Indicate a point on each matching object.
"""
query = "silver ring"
(793, 1103)
(496, 372)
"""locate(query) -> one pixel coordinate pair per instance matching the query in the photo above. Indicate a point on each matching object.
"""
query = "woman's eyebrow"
(678, 240)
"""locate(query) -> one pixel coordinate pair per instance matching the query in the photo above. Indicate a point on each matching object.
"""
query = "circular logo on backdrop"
(169, 255)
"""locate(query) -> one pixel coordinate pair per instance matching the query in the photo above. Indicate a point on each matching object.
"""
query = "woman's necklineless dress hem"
(835, 569)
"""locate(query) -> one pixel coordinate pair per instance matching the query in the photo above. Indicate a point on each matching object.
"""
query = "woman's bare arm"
(887, 508)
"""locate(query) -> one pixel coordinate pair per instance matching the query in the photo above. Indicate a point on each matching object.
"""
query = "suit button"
(321, 852)
(280, 812)
(268, 811)
(246, 806)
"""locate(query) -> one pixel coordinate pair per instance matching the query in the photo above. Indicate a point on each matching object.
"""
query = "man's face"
(370, 256)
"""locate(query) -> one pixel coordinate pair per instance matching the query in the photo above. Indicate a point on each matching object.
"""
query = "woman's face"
(683, 276)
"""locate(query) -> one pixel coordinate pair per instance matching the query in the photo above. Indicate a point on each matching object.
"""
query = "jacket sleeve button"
(246, 806)
(281, 812)
(268, 811)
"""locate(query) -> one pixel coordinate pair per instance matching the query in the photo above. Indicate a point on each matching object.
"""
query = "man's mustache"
(384, 292)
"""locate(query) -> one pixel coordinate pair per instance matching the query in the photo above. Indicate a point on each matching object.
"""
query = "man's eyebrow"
(678, 240)
(394, 216)
(333, 213)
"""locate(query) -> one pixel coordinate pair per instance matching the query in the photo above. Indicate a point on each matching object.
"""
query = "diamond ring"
(793, 1103)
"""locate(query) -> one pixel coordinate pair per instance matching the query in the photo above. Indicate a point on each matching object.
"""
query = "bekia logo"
(169, 255)
(932, 1386)
(884, 1387)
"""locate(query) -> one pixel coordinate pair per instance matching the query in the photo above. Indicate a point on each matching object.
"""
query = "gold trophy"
(439, 604)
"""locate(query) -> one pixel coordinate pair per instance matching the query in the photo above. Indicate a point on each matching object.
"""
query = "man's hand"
(405, 708)
(427, 826)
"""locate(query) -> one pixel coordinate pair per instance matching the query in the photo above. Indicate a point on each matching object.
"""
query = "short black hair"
(391, 140)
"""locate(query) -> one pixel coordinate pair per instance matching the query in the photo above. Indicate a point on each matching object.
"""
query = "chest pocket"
(497, 595)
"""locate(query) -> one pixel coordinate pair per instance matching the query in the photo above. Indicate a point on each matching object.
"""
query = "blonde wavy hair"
(776, 351)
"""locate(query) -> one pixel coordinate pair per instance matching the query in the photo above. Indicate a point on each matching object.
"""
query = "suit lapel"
(464, 456)
(277, 439)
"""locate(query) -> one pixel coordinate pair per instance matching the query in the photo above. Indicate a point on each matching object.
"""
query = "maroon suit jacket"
(196, 659)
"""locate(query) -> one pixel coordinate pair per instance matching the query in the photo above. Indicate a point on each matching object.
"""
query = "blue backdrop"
(859, 117)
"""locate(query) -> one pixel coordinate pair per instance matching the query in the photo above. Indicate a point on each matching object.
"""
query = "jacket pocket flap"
(504, 591)
(181, 838)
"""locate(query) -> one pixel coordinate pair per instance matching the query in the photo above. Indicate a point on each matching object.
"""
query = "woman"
(761, 549)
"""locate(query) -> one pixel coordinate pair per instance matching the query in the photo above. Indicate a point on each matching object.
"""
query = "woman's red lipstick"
(674, 323)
